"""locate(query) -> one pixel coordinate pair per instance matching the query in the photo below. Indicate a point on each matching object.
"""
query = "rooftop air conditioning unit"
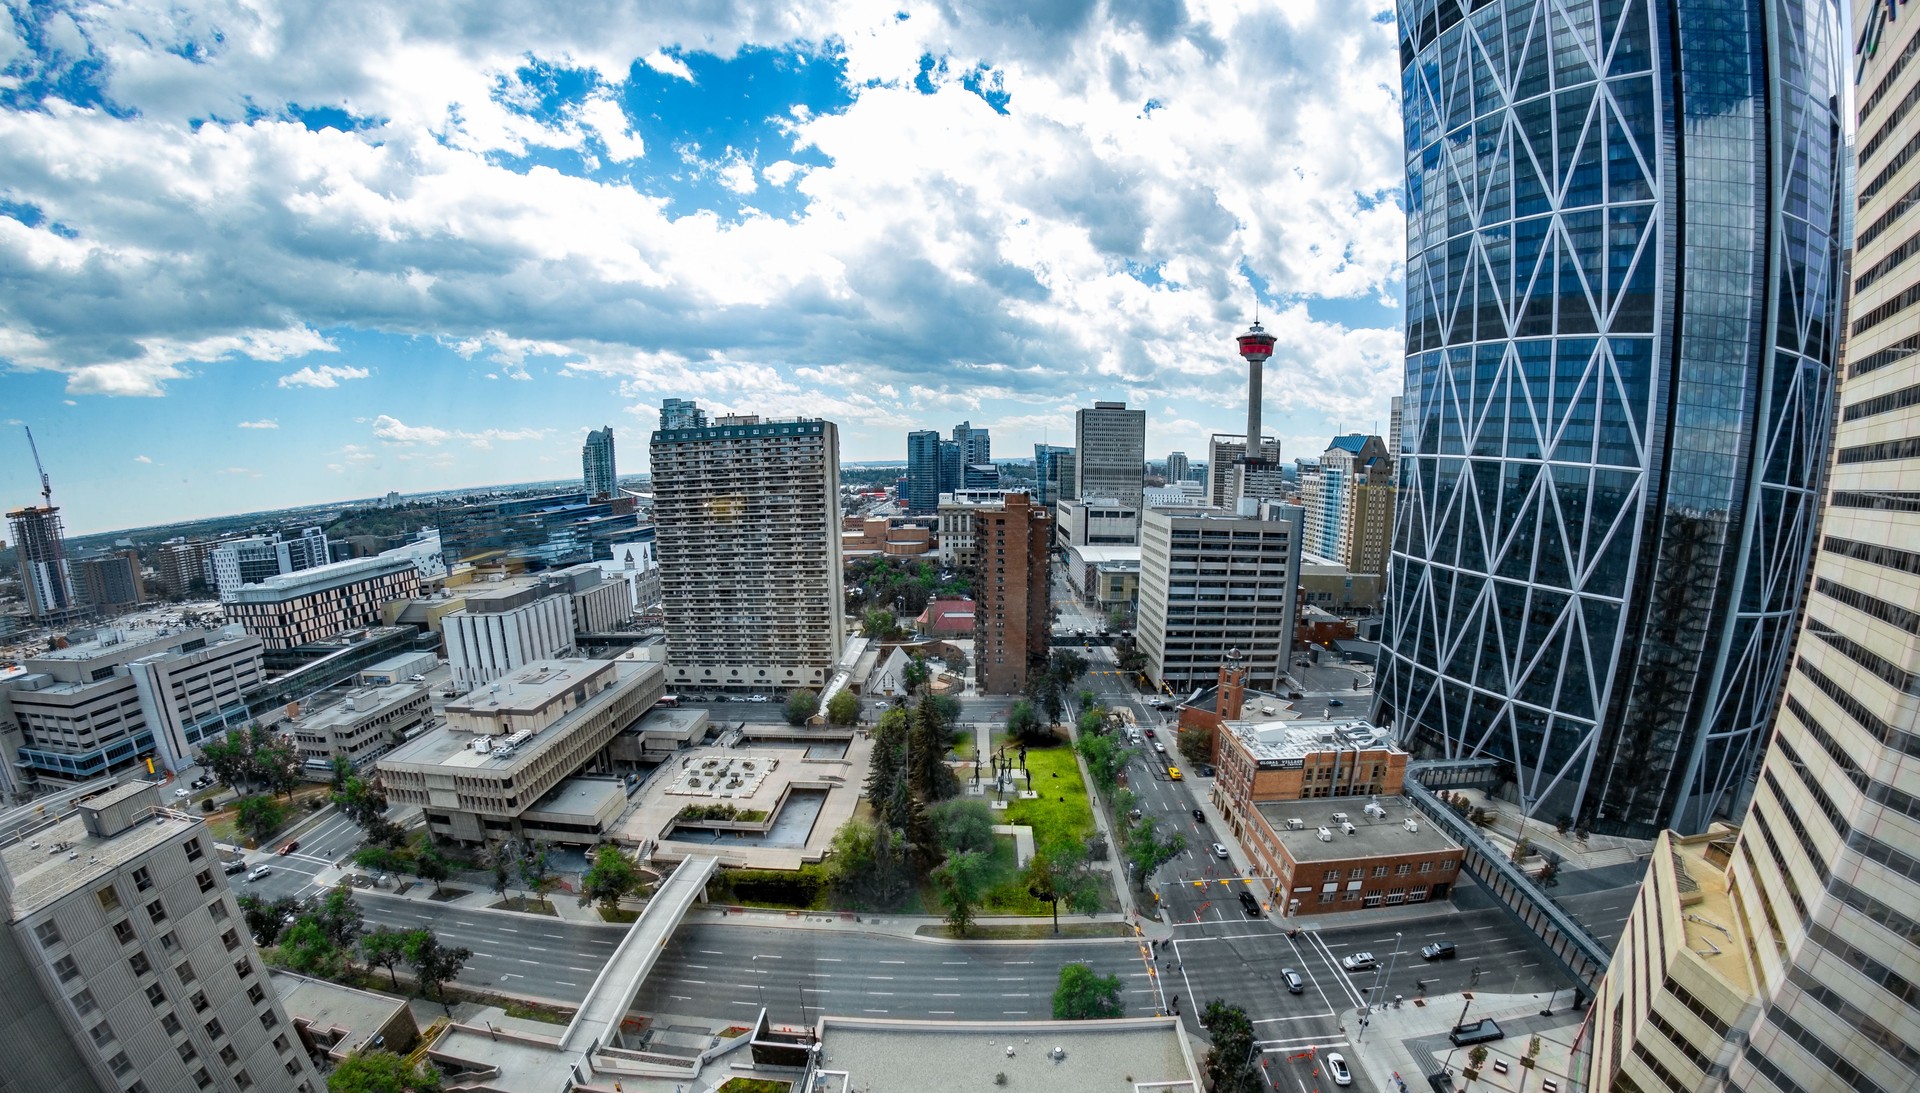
(1339, 817)
(1295, 823)
(1325, 835)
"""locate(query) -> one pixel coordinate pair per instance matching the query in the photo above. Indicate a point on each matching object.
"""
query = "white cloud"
(327, 375)
(604, 116)
(263, 423)
(667, 65)
(395, 431)
(142, 459)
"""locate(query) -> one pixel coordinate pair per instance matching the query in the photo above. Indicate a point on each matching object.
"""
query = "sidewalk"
(1405, 1045)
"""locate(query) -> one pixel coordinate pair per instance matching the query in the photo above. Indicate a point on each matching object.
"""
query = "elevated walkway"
(619, 981)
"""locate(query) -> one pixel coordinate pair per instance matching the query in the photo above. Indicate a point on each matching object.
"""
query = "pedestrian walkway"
(1400, 1047)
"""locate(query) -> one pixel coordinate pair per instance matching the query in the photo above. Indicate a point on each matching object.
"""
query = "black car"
(233, 867)
(1199, 817)
(1251, 905)
(1439, 950)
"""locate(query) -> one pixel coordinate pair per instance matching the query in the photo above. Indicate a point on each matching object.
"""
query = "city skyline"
(529, 230)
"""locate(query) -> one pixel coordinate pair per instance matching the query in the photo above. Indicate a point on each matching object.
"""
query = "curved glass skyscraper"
(1624, 238)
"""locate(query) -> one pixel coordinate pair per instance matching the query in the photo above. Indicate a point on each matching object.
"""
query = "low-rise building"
(336, 1021)
(507, 745)
(1140, 1054)
(1122, 563)
(398, 669)
(947, 619)
(1328, 584)
(637, 565)
(880, 536)
(359, 728)
(295, 609)
(1096, 521)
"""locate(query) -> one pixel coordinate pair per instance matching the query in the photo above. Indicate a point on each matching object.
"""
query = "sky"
(256, 254)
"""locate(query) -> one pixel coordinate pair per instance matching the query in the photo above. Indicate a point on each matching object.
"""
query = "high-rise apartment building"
(1045, 473)
(44, 569)
(1366, 530)
(596, 464)
(1012, 613)
(1394, 420)
(1110, 451)
(677, 413)
(1328, 491)
(1178, 469)
(953, 466)
(110, 580)
(129, 967)
(1212, 582)
(1622, 321)
(237, 562)
(923, 471)
(1784, 957)
(748, 519)
(976, 445)
(181, 565)
(1228, 474)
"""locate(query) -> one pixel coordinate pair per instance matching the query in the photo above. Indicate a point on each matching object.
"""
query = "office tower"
(237, 562)
(955, 529)
(1622, 314)
(110, 579)
(953, 466)
(1110, 450)
(1012, 614)
(1808, 957)
(295, 609)
(1177, 468)
(1228, 474)
(1214, 581)
(923, 471)
(505, 627)
(1062, 475)
(980, 476)
(1366, 527)
(1046, 474)
(976, 445)
(129, 966)
(748, 524)
(44, 568)
(678, 413)
(1393, 428)
(596, 464)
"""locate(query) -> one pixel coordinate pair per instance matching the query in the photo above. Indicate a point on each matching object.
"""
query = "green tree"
(801, 706)
(1196, 745)
(1085, 995)
(384, 947)
(887, 768)
(277, 766)
(928, 739)
(379, 859)
(1023, 722)
(880, 624)
(1148, 848)
(428, 865)
(963, 824)
(961, 881)
(1061, 872)
(305, 948)
(1106, 757)
(229, 757)
(360, 800)
(498, 859)
(342, 770)
(868, 865)
(434, 963)
(338, 916)
(915, 674)
(843, 708)
(536, 872)
(611, 877)
(381, 1072)
(1229, 1064)
(259, 817)
(267, 919)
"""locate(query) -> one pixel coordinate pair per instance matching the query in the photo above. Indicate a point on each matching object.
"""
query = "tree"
(963, 825)
(429, 865)
(338, 916)
(611, 876)
(843, 708)
(267, 920)
(801, 706)
(887, 769)
(360, 800)
(499, 861)
(536, 873)
(379, 859)
(961, 881)
(229, 757)
(1148, 849)
(880, 624)
(304, 948)
(915, 674)
(867, 864)
(381, 1072)
(260, 816)
(385, 947)
(1106, 757)
(1023, 722)
(434, 963)
(1060, 872)
(928, 739)
(342, 770)
(1085, 995)
(1229, 1064)
(1196, 745)
(277, 766)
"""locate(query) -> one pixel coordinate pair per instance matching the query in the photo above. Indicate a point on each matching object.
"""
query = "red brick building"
(1012, 614)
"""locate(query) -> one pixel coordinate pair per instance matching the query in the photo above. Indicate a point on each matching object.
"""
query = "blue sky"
(255, 255)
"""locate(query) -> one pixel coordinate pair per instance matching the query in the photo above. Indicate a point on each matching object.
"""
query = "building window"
(1356, 874)
(199, 1001)
(142, 879)
(231, 939)
(155, 995)
(228, 1055)
(1326, 897)
(184, 971)
(138, 962)
(1402, 869)
(205, 879)
(109, 899)
(215, 1029)
(169, 942)
(193, 850)
(201, 1078)
(65, 968)
(124, 931)
(255, 994)
(119, 1064)
(268, 1020)
(84, 1004)
(1379, 870)
(171, 1024)
(1426, 867)
(102, 1034)
(242, 968)
(187, 1053)
(280, 1044)
(243, 1080)
(218, 909)
(157, 911)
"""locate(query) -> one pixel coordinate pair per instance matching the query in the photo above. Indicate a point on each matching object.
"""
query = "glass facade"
(1624, 235)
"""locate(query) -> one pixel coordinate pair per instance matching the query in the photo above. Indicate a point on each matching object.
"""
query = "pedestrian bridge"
(619, 982)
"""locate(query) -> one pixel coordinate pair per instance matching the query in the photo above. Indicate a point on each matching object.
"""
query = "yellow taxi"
(1173, 773)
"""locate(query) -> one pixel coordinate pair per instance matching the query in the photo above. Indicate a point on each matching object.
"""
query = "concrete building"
(1366, 533)
(976, 445)
(597, 471)
(1110, 452)
(955, 538)
(980, 476)
(1328, 493)
(128, 964)
(1060, 479)
(923, 471)
(1096, 521)
(878, 536)
(1395, 422)
(181, 564)
(1012, 615)
(1139, 1054)
(505, 747)
(335, 1021)
(637, 566)
(359, 728)
(1120, 564)
(543, 532)
(504, 627)
(748, 518)
(1212, 581)
(1046, 475)
(1784, 956)
(311, 605)
(237, 562)
(1327, 584)
(1178, 469)
(110, 580)
(104, 705)
(1303, 799)
(398, 669)
(1228, 476)
(45, 573)
(681, 414)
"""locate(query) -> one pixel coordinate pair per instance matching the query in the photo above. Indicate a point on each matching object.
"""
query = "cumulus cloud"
(394, 431)
(142, 459)
(327, 375)
(263, 423)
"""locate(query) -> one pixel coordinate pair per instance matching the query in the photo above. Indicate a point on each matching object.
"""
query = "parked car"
(1249, 904)
(201, 782)
(260, 872)
(1292, 979)
(183, 792)
(1199, 817)
(1358, 962)
(1220, 851)
(1337, 1066)
(290, 847)
(233, 867)
(1439, 950)
(416, 679)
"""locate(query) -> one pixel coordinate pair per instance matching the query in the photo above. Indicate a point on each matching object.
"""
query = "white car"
(1337, 1066)
(1358, 962)
(260, 872)
(183, 793)
(1220, 851)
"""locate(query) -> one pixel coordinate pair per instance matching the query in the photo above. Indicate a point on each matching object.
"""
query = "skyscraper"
(679, 413)
(1110, 449)
(747, 513)
(923, 471)
(1622, 312)
(976, 445)
(1808, 970)
(44, 568)
(1046, 474)
(1013, 615)
(596, 463)
(953, 466)
(1177, 468)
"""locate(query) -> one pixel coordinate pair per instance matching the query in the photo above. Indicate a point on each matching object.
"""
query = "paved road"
(522, 954)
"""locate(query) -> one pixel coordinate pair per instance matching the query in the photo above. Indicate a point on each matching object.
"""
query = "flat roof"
(1272, 739)
(446, 747)
(332, 575)
(579, 796)
(367, 701)
(1098, 554)
(329, 1006)
(1372, 836)
(530, 686)
(43, 875)
(1133, 1054)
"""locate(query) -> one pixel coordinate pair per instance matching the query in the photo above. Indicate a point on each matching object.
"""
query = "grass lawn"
(1061, 812)
(1006, 891)
(1039, 931)
(755, 1085)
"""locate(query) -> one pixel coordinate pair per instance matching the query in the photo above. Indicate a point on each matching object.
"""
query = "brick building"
(1012, 615)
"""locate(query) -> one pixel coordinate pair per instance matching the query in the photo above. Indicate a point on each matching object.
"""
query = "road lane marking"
(712, 952)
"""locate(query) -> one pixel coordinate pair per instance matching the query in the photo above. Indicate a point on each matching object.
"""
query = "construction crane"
(46, 484)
